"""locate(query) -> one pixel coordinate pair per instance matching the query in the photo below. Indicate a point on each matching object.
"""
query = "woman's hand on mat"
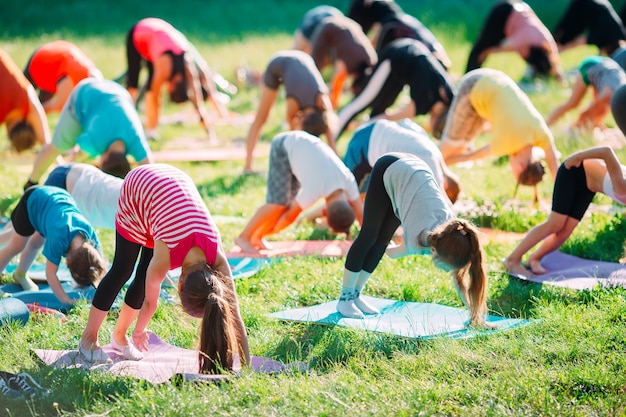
(140, 339)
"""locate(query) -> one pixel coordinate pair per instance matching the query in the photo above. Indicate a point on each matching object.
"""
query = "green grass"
(571, 361)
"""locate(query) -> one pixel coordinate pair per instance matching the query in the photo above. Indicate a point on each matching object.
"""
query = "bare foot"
(536, 267)
(516, 268)
(245, 245)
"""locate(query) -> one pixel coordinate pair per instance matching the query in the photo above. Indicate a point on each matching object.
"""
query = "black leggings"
(379, 222)
(134, 61)
(126, 253)
(491, 34)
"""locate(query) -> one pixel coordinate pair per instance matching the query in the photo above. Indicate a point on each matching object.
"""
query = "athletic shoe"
(7, 391)
(25, 383)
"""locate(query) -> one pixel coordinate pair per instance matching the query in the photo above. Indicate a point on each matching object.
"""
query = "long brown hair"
(456, 242)
(204, 295)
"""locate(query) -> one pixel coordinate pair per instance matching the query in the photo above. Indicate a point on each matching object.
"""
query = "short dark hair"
(539, 60)
(340, 216)
(179, 92)
(22, 136)
(116, 164)
(315, 122)
(532, 174)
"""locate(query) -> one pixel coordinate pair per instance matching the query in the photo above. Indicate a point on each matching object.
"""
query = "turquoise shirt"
(98, 113)
(53, 213)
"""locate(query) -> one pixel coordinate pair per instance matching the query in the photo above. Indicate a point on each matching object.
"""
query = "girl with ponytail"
(162, 221)
(403, 192)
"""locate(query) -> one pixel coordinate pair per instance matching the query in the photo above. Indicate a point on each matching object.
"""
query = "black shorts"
(19, 217)
(571, 195)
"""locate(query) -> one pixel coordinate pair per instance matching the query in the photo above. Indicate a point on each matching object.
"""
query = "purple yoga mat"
(577, 273)
(160, 364)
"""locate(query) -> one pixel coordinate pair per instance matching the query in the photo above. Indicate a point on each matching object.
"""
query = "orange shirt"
(14, 87)
(55, 60)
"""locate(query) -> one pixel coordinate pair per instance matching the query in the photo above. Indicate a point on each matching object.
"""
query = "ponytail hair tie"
(461, 229)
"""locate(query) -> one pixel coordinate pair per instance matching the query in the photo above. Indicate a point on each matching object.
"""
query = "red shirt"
(55, 60)
(14, 87)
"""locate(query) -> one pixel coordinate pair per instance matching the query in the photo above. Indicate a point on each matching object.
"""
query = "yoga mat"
(241, 267)
(323, 248)
(570, 271)
(407, 319)
(204, 154)
(37, 272)
(161, 363)
(183, 117)
(13, 310)
(45, 297)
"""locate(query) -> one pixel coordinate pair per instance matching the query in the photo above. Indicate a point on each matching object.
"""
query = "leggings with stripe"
(126, 253)
(379, 222)
(379, 93)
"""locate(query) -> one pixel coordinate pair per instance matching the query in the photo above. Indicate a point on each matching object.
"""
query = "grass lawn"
(570, 361)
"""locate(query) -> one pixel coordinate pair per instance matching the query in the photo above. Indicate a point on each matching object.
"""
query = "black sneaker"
(7, 391)
(25, 383)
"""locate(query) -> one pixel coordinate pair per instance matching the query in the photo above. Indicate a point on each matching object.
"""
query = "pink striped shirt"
(160, 202)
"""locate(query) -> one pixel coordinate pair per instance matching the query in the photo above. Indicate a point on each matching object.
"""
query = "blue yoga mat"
(407, 319)
(37, 272)
(13, 310)
(45, 297)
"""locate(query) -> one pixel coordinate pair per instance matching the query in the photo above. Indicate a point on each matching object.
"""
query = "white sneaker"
(128, 352)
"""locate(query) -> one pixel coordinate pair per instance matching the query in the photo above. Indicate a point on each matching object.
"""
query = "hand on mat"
(140, 340)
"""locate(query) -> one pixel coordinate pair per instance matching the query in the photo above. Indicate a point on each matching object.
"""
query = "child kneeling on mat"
(47, 216)
(403, 192)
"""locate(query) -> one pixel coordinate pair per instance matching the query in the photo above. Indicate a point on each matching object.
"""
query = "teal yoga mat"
(407, 319)
(243, 267)
(45, 297)
(13, 311)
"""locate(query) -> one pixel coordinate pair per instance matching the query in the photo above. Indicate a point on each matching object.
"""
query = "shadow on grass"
(230, 185)
(326, 346)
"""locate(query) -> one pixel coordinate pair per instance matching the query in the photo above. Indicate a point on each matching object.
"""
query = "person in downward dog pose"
(488, 95)
(149, 227)
(310, 21)
(306, 95)
(580, 177)
(20, 108)
(47, 216)
(55, 68)
(403, 62)
(373, 140)
(403, 192)
(601, 75)
(173, 62)
(303, 169)
(513, 26)
(99, 119)
(339, 42)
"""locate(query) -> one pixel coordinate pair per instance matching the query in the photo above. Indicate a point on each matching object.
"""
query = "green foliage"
(570, 361)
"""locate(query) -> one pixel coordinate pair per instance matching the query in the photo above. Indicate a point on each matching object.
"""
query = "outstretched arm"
(56, 103)
(195, 88)
(468, 156)
(268, 97)
(578, 92)
(157, 269)
(55, 283)
(46, 156)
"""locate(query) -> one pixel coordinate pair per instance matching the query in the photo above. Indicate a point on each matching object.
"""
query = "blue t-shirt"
(356, 154)
(53, 213)
(106, 113)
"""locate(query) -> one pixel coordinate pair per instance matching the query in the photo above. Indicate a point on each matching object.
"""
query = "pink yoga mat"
(160, 364)
(323, 248)
(577, 273)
